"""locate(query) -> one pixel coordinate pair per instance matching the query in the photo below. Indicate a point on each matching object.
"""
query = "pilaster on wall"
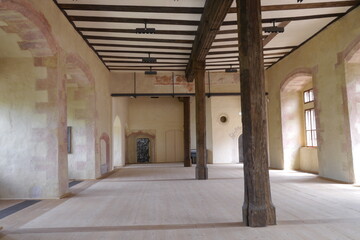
(349, 66)
(81, 117)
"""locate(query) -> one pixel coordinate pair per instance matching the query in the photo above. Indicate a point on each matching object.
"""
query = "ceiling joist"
(109, 28)
(210, 23)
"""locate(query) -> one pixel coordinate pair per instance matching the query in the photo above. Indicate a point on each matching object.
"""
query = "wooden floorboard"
(163, 201)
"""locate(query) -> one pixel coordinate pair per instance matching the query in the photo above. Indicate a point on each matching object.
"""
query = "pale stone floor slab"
(164, 201)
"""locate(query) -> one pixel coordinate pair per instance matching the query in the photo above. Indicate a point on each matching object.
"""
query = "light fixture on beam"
(145, 30)
(231, 69)
(149, 59)
(274, 29)
(150, 72)
(299, 0)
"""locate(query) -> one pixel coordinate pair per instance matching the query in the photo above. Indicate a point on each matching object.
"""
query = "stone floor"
(164, 201)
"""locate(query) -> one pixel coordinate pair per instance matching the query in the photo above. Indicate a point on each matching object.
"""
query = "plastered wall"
(38, 41)
(161, 119)
(166, 82)
(120, 126)
(352, 69)
(71, 42)
(319, 57)
(225, 134)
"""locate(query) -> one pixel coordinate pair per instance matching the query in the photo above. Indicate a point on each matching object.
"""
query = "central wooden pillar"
(187, 138)
(258, 210)
(201, 168)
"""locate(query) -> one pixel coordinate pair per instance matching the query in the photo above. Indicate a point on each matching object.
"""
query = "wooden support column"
(258, 210)
(201, 161)
(187, 138)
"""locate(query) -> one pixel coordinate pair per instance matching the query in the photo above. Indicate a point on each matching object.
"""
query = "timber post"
(201, 160)
(258, 210)
(187, 138)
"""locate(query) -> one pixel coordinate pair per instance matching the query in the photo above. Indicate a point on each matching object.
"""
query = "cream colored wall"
(34, 160)
(72, 43)
(162, 117)
(23, 151)
(221, 139)
(123, 82)
(120, 126)
(292, 128)
(225, 135)
(353, 90)
(309, 159)
(321, 56)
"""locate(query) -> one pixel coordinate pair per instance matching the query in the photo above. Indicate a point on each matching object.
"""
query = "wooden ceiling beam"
(150, 65)
(122, 8)
(89, 37)
(296, 18)
(144, 69)
(139, 46)
(144, 52)
(210, 23)
(132, 20)
(271, 36)
(131, 57)
(117, 30)
(283, 7)
(140, 62)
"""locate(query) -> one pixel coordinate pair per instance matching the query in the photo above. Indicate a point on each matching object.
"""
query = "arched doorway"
(298, 122)
(132, 144)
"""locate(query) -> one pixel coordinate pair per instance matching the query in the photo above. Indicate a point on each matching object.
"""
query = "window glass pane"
(306, 96)
(307, 120)
(313, 120)
(308, 138)
(311, 95)
(314, 138)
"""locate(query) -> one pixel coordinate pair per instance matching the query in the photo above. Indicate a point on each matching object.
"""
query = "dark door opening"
(143, 150)
(241, 149)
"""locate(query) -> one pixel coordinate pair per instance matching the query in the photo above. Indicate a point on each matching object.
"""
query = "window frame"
(308, 92)
(313, 131)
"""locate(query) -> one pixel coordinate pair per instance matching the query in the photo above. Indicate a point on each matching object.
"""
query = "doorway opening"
(143, 150)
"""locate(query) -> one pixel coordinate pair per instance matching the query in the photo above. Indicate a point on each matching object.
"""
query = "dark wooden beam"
(133, 20)
(271, 36)
(201, 154)
(140, 62)
(140, 46)
(148, 65)
(187, 132)
(258, 210)
(145, 55)
(145, 69)
(118, 30)
(210, 23)
(89, 37)
(128, 8)
(297, 18)
(283, 7)
(144, 52)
